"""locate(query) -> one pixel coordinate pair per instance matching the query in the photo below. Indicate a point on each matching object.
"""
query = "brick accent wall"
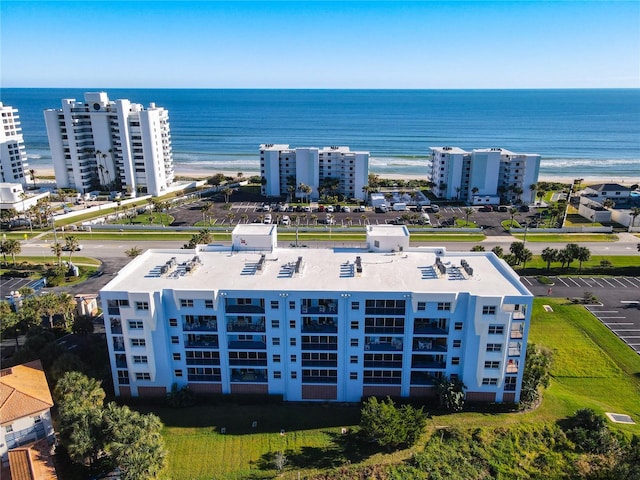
(381, 391)
(261, 388)
(125, 391)
(205, 388)
(319, 392)
(481, 397)
(429, 392)
(152, 391)
(508, 397)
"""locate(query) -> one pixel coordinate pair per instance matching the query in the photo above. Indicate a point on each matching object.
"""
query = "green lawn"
(508, 224)
(89, 261)
(134, 236)
(143, 219)
(591, 368)
(567, 237)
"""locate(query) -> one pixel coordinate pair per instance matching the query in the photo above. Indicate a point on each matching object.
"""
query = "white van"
(424, 219)
(399, 207)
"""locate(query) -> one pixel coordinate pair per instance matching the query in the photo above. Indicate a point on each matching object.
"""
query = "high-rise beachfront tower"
(113, 145)
(13, 158)
(338, 168)
(484, 175)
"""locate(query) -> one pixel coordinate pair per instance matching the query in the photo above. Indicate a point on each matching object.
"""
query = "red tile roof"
(23, 391)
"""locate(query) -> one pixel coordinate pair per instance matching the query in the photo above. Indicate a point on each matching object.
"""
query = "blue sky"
(202, 44)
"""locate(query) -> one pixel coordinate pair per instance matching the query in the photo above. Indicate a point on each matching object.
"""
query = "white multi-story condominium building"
(484, 175)
(319, 324)
(117, 145)
(329, 168)
(13, 158)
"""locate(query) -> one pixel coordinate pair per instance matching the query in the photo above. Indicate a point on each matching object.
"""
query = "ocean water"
(577, 132)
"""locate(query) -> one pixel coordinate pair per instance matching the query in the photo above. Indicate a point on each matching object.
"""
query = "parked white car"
(267, 218)
(285, 220)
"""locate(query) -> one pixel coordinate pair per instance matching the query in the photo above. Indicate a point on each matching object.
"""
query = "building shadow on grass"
(343, 449)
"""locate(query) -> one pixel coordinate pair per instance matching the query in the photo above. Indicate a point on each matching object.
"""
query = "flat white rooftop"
(450, 150)
(412, 270)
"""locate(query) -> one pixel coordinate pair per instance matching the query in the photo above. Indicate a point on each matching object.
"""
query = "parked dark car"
(524, 208)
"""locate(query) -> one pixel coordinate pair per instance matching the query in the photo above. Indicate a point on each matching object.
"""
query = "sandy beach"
(200, 174)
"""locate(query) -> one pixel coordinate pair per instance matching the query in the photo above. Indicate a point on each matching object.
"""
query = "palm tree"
(32, 172)
(540, 194)
(549, 255)
(635, 212)
(363, 217)
(227, 191)
(291, 189)
(475, 190)
(608, 203)
(458, 193)
(533, 187)
(49, 304)
(231, 216)
(71, 243)
(244, 217)
(512, 212)
(314, 219)
(467, 213)
(438, 217)
(498, 251)
(564, 256)
(205, 209)
(56, 248)
(583, 254)
(11, 247)
(306, 190)
(66, 307)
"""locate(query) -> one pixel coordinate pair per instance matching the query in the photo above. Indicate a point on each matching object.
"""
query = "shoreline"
(201, 175)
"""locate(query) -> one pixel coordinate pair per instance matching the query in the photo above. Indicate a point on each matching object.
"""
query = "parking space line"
(573, 280)
(616, 280)
(610, 284)
(605, 311)
(597, 282)
(629, 280)
(607, 318)
(621, 323)
(565, 283)
(527, 280)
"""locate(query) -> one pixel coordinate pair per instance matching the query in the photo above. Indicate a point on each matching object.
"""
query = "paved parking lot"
(9, 284)
(248, 211)
(620, 317)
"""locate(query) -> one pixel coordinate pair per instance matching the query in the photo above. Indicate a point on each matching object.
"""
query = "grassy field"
(134, 236)
(89, 261)
(591, 368)
(567, 237)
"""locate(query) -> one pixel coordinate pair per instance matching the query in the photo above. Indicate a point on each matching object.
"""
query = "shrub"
(391, 427)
